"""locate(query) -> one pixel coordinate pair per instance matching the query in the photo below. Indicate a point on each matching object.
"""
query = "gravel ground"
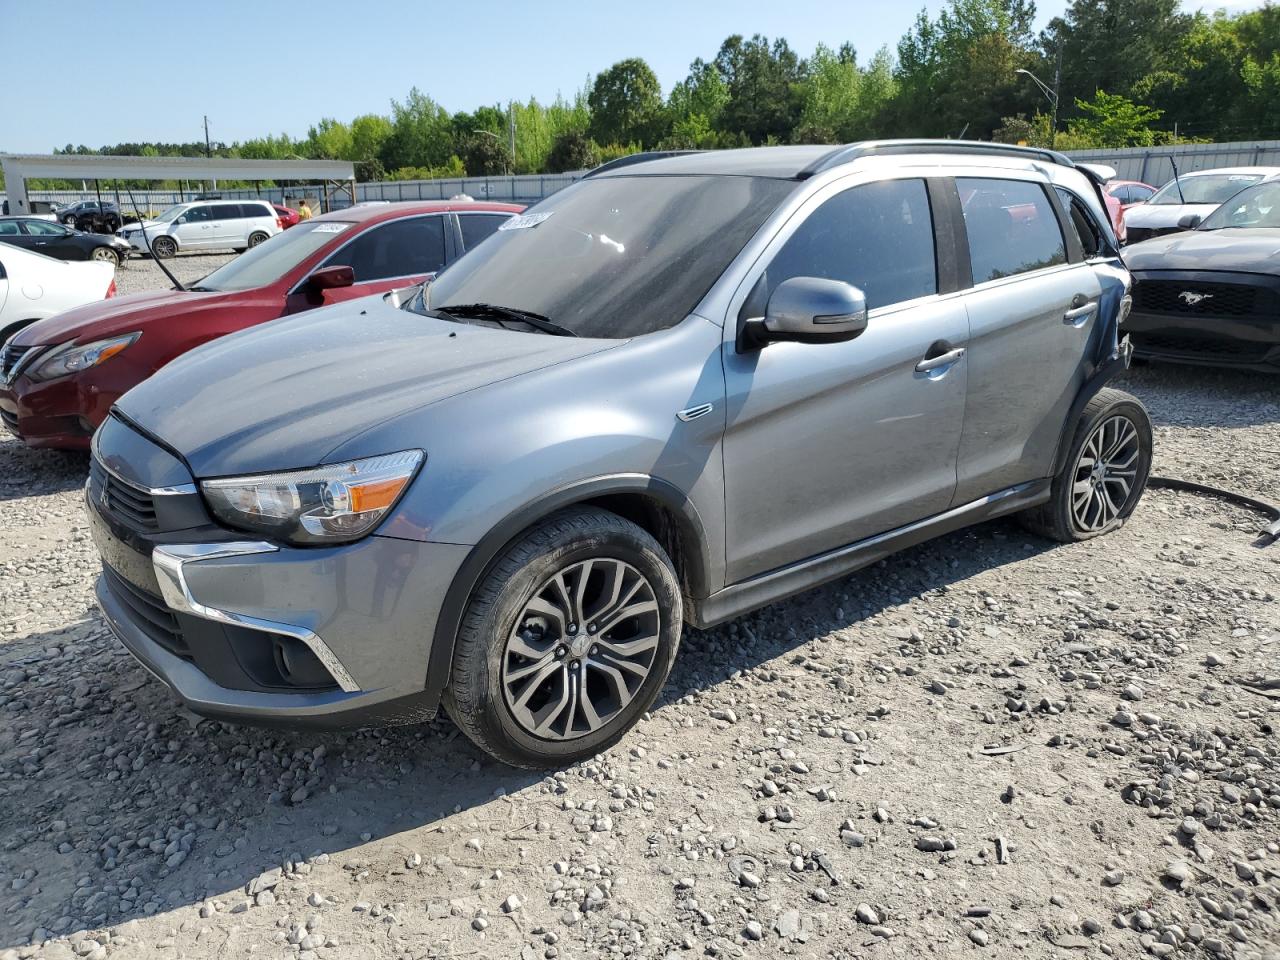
(986, 744)
(140, 274)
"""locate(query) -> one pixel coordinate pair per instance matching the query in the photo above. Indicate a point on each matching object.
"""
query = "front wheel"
(162, 248)
(1105, 472)
(106, 255)
(566, 642)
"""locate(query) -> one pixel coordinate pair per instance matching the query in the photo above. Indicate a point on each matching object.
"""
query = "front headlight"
(330, 504)
(70, 358)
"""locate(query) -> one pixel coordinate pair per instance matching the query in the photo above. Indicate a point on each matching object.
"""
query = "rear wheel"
(567, 640)
(256, 238)
(163, 248)
(1105, 472)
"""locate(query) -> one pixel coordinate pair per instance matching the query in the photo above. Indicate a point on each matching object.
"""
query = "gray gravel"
(989, 743)
(141, 274)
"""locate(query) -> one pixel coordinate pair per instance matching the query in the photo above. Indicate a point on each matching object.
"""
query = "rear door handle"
(941, 360)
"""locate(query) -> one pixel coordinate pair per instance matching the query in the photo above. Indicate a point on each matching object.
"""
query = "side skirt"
(776, 585)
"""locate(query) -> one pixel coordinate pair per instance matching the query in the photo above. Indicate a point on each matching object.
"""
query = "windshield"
(1211, 188)
(1255, 207)
(613, 256)
(172, 213)
(272, 259)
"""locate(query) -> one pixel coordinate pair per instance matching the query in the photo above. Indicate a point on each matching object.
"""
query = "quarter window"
(402, 248)
(1082, 223)
(878, 237)
(1011, 226)
(478, 226)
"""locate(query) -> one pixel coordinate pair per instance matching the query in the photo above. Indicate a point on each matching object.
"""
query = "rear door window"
(477, 226)
(225, 211)
(1011, 226)
(878, 237)
(255, 210)
(401, 248)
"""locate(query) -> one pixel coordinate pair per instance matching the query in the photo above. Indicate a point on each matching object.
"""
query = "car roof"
(803, 161)
(390, 211)
(1265, 171)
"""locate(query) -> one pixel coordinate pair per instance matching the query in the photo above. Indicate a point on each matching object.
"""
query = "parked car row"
(61, 242)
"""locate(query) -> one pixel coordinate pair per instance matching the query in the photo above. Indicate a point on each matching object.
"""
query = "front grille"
(1193, 298)
(131, 505)
(9, 359)
(148, 613)
(1190, 347)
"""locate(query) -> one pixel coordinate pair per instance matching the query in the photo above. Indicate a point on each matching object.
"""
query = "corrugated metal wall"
(1154, 165)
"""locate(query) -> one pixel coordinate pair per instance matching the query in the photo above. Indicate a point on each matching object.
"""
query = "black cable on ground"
(1269, 534)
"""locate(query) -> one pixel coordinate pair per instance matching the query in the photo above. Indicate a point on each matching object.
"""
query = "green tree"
(572, 150)
(369, 132)
(485, 155)
(1110, 120)
(626, 103)
(763, 82)
(421, 133)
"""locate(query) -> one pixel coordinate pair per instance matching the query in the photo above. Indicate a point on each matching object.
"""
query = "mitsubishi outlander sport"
(681, 388)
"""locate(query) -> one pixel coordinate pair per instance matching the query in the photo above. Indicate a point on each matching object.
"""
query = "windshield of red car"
(272, 259)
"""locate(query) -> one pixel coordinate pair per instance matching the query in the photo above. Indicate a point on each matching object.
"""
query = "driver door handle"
(941, 360)
(1081, 307)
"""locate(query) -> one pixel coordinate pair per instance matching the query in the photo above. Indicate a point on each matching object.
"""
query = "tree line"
(1111, 73)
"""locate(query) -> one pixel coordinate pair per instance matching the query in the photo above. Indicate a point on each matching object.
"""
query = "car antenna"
(142, 225)
(1176, 182)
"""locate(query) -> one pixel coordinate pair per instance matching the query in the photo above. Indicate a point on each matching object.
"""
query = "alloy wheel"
(105, 254)
(581, 649)
(1106, 473)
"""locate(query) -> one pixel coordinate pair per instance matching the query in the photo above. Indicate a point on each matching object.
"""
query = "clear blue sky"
(277, 66)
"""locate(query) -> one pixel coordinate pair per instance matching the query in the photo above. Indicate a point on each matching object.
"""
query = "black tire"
(105, 255)
(562, 543)
(163, 248)
(1075, 512)
(256, 238)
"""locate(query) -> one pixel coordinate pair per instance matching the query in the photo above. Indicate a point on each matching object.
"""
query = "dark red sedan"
(287, 216)
(60, 376)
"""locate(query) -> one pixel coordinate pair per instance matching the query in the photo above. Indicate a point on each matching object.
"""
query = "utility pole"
(208, 150)
(1057, 88)
(511, 119)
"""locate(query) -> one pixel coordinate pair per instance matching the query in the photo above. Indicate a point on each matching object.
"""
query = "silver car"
(686, 386)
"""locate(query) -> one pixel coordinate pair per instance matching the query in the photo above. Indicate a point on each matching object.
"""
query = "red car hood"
(105, 318)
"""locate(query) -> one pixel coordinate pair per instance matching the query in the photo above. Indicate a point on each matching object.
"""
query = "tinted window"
(1011, 226)
(401, 248)
(256, 210)
(44, 228)
(1082, 223)
(878, 237)
(225, 211)
(477, 226)
(197, 215)
(9, 228)
(615, 256)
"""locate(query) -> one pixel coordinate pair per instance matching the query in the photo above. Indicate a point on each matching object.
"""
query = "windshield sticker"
(525, 221)
(331, 227)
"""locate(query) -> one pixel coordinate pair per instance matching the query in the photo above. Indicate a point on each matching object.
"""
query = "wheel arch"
(655, 505)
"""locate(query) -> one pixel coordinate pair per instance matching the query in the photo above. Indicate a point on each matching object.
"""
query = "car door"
(827, 444)
(395, 253)
(11, 232)
(194, 229)
(1032, 311)
(54, 240)
(227, 226)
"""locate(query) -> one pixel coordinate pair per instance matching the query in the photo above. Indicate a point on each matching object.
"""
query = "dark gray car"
(679, 389)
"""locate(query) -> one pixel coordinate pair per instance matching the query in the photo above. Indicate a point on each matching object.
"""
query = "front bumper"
(333, 637)
(63, 413)
(1237, 325)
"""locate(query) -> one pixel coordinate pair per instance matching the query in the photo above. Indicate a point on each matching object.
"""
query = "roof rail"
(880, 148)
(642, 157)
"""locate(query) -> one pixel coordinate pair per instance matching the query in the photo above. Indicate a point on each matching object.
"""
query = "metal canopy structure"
(337, 176)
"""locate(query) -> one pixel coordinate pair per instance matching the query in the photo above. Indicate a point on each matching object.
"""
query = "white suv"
(205, 225)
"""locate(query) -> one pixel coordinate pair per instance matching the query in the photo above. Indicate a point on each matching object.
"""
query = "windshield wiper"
(203, 289)
(490, 311)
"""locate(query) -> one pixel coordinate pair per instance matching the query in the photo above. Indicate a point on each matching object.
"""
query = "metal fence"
(1154, 165)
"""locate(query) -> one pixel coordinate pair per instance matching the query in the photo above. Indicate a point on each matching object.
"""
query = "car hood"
(1241, 249)
(105, 318)
(1159, 215)
(283, 395)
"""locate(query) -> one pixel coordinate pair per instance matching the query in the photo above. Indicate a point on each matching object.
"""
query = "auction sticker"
(331, 227)
(525, 220)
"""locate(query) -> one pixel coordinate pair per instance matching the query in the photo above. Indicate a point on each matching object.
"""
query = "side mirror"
(1190, 221)
(330, 278)
(809, 310)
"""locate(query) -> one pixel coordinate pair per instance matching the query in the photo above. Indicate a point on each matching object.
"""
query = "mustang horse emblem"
(1191, 298)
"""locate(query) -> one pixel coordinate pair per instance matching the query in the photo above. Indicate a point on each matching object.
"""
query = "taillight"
(280, 222)
(111, 291)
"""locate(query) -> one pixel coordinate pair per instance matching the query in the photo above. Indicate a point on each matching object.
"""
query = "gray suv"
(681, 388)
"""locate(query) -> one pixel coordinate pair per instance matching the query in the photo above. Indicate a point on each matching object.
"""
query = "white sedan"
(1198, 193)
(33, 286)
